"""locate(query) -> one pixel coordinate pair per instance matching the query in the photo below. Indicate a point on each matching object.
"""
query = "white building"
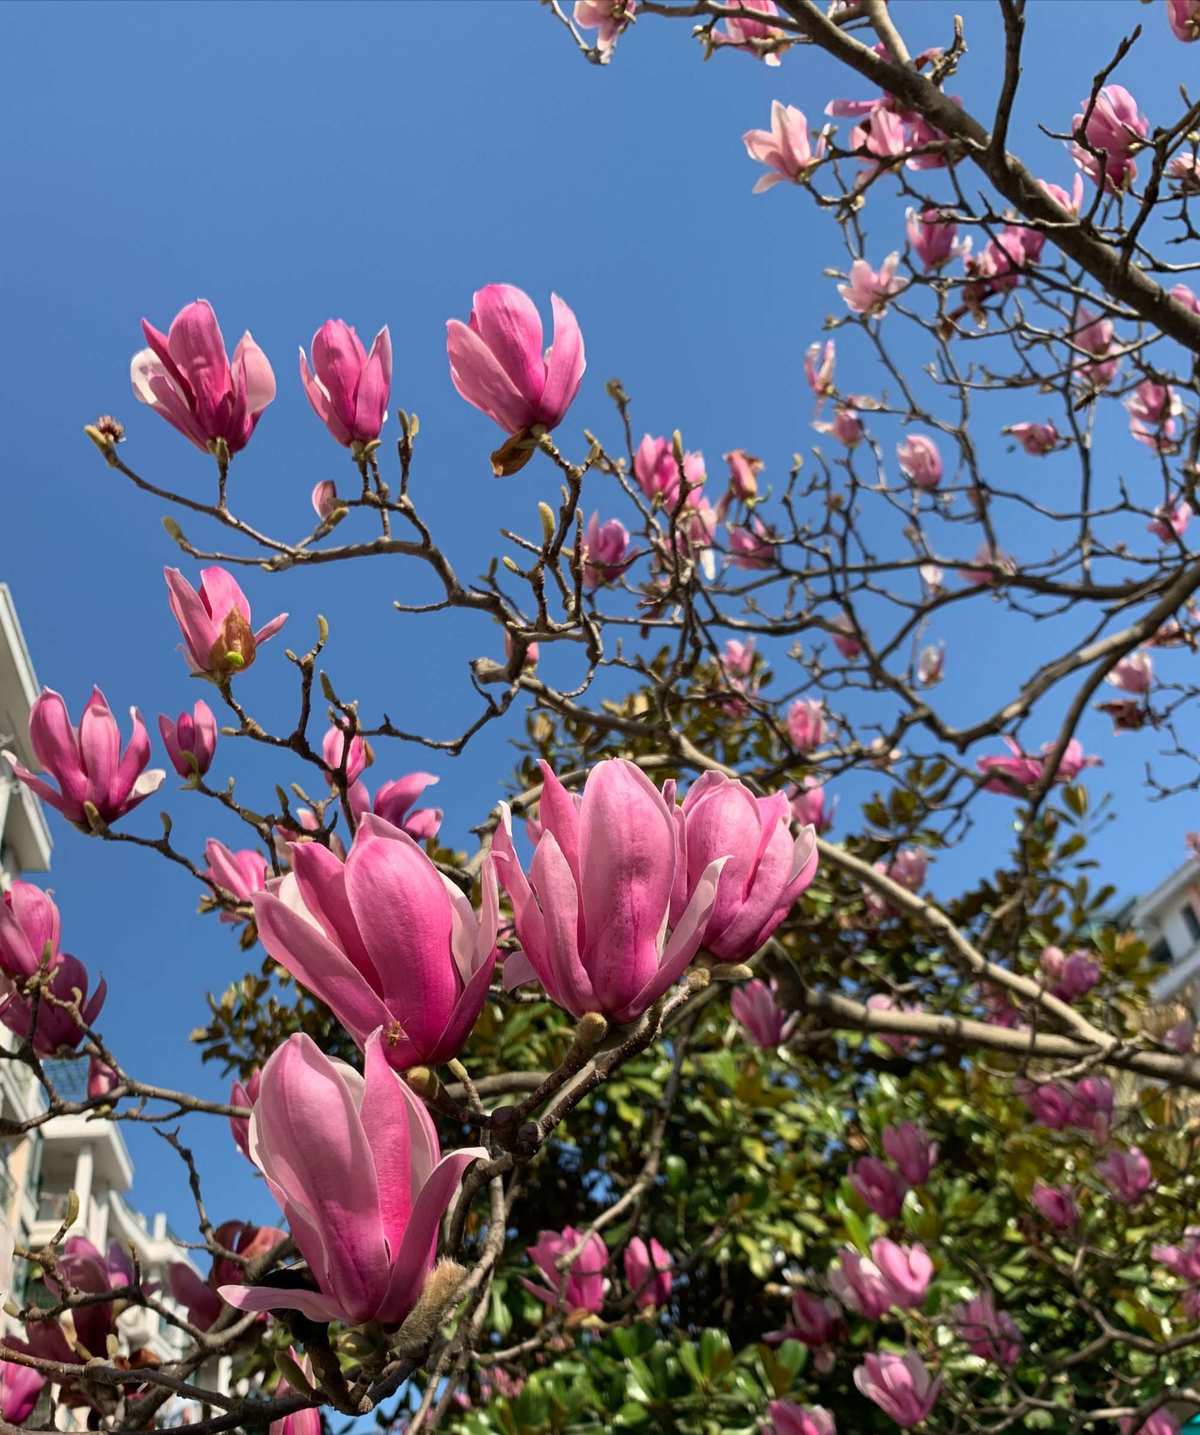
(1169, 920)
(40, 1170)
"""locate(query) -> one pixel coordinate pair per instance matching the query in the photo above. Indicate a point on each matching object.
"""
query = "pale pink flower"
(1171, 523)
(1072, 202)
(895, 1041)
(819, 360)
(1153, 409)
(809, 806)
(881, 137)
(648, 1273)
(900, 1385)
(744, 469)
(906, 1269)
(982, 577)
(987, 1332)
(911, 1148)
(786, 148)
(806, 724)
(1184, 294)
(931, 665)
(737, 658)
(751, 547)
(757, 1011)
(931, 237)
(604, 548)
(1036, 439)
(1133, 674)
(869, 292)
(860, 1285)
(1116, 129)
(324, 498)
(608, 18)
(1184, 169)
(755, 37)
(788, 1418)
(920, 461)
(845, 426)
(1071, 974)
(1095, 336)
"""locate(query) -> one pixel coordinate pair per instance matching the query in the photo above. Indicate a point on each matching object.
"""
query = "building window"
(1191, 921)
(1160, 953)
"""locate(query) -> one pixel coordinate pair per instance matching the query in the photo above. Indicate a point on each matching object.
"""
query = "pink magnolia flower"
(347, 386)
(932, 238)
(1162, 1422)
(333, 752)
(881, 137)
(816, 1322)
(1153, 409)
(1056, 1204)
(1073, 761)
(906, 1269)
(931, 665)
(920, 461)
(881, 1188)
(604, 548)
(869, 292)
(1021, 771)
(199, 1297)
(1096, 336)
(788, 1418)
(999, 564)
(1172, 522)
(1071, 975)
(101, 1078)
(30, 930)
(1183, 16)
(1184, 169)
(84, 1269)
(355, 1165)
(608, 873)
(191, 740)
(744, 469)
(20, 1386)
(1051, 1104)
(608, 18)
(860, 1285)
(845, 426)
(737, 658)
(908, 867)
(1035, 438)
(760, 1016)
(751, 547)
(785, 148)
(240, 873)
(1187, 296)
(1181, 1037)
(496, 360)
(809, 807)
(1116, 129)
(1001, 262)
(215, 623)
(657, 472)
(532, 652)
(1072, 202)
(1127, 1174)
(987, 1332)
(303, 1422)
(755, 37)
(806, 724)
(394, 803)
(911, 1149)
(845, 637)
(648, 1273)
(581, 1286)
(1182, 1260)
(1092, 1100)
(87, 761)
(385, 941)
(901, 1045)
(244, 1095)
(900, 1385)
(186, 377)
(819, 360)
(324, 497)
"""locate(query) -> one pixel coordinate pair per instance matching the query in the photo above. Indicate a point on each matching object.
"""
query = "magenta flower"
(1162, 1422)
(355, 1165)
(303, 1422)
(1116, 129)
(101, 1078)
(333, 753)
(1127, 1174)
(394, 803)
(1182, 1260)
(765, 869)
(900, 1385)
(912, 1150)
(881, 1189)
(347, 386)
(1071, 975)
(932, 238)
(604, 548)
(760, 1016)
(20, 1386)
(215, 623)
(816, 1322)
(241, 874)
(987, 1332)
(191, 740)
(869, 292)
(648, 1273)
(907, 1271)
(1012, 775)
(1000, 264)
(496, 360)
(186, 377)
(1056, 1204)
(755, 37)
(819, 360)
(920, 461)
(785, 148)
(860, 1285)
(1181, 1037)
(581, 1286)
(788, 1418)
(1153, 410)
(806, 724)
(809, 807)
(199, 1297)
(751, 547)
(657, 472)
(30, 930)
(87, 761)
(1036, 439)
(1050, 1104)
(244, 1095)
(881, 137)
(608, 18)
(744, 469)
(609, 870)
(85, 1270)
(1183, 16)
(385, 941)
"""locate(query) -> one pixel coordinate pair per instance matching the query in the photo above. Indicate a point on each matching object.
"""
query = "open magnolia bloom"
(356, 1167)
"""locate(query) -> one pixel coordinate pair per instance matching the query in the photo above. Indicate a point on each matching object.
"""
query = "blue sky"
(292, 162)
